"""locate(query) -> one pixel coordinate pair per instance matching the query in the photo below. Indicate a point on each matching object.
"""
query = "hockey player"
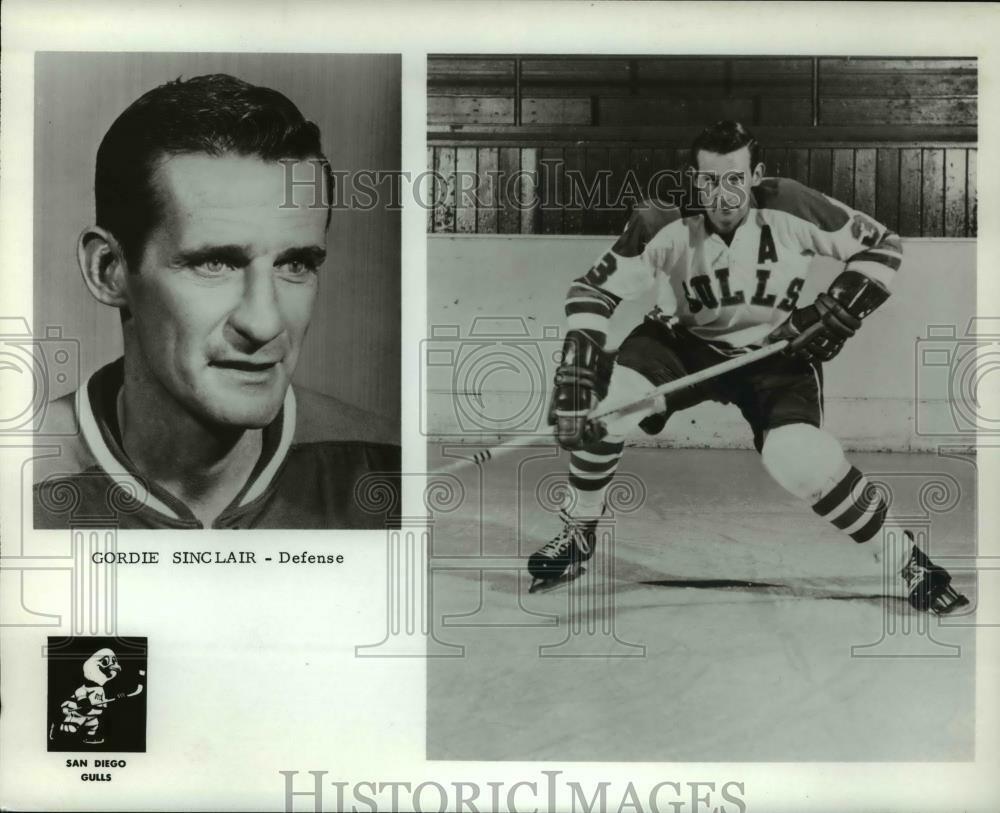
(82, 712)
(727, 275)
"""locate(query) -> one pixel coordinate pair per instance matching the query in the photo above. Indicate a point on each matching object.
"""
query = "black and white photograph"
(97, 697)
(740, 292)
(217, 288)
(606, 393)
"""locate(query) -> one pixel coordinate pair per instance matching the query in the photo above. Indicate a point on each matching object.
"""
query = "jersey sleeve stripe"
(889, 252)
(893, 261)
(587, 306)
(587, 321)
(877, 271)
(584, 299)
(581, 287)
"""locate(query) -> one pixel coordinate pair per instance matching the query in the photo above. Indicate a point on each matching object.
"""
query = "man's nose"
(257, 318)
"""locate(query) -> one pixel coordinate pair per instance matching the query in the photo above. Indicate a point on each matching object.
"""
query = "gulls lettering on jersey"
(731, 296)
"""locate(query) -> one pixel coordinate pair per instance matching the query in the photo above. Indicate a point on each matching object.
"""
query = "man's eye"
(296, 268)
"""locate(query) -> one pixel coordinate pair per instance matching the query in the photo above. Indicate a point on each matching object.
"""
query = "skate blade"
(547, 585)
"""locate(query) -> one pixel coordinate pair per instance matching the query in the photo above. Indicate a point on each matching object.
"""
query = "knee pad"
(804, 460)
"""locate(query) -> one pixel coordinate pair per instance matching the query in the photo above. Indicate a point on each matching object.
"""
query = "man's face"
(724, 182)
(225, 289)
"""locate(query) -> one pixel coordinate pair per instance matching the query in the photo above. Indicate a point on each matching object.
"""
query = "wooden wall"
(896, 137)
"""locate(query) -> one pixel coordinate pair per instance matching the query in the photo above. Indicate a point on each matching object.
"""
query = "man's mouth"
(247, 372)
(246, 366)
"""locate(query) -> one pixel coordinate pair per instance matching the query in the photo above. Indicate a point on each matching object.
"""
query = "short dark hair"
(215, 114)
(725, 137)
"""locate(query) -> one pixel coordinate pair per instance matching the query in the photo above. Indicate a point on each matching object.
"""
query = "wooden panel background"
(896, 137)
(357, 313)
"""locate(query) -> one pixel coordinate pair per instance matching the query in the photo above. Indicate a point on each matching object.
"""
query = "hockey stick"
(620, 410)
(629, 407)
(604, 411)
(136, 693)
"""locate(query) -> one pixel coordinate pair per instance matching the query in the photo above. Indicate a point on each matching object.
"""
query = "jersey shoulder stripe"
(649, 217)
(790, 196)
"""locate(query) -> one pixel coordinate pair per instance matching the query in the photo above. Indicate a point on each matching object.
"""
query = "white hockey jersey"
(731, 296)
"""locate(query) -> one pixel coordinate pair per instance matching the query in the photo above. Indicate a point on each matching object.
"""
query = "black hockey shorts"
(772, 392)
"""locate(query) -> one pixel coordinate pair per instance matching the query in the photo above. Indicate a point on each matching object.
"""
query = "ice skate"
(928, 586)
(561, 560)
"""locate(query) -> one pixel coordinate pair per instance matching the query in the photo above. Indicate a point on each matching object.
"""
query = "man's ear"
(758, 173)
(103, 266)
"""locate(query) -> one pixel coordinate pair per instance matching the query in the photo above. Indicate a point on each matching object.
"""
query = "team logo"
(865, 230)
(97, 699)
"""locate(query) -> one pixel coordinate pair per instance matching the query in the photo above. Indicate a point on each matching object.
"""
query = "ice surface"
(721, 620)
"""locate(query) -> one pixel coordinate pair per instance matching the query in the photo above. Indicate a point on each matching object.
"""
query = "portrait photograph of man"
(250, 377)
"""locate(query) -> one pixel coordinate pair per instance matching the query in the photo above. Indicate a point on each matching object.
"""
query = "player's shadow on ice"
(779, 590)
(710, 584)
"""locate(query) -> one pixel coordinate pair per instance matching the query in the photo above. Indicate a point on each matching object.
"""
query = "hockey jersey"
(321, 460)
(731, 295)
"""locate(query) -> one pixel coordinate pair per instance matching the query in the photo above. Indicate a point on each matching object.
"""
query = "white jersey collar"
(99, 431)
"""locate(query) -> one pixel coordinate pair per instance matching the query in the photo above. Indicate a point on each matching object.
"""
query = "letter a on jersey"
(767, 252)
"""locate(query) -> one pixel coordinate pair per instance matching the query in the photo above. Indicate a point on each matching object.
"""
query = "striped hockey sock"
(854, 506)
(590, 472)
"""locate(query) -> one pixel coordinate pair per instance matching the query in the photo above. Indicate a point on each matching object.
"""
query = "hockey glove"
(817, 332)
(578, 387)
